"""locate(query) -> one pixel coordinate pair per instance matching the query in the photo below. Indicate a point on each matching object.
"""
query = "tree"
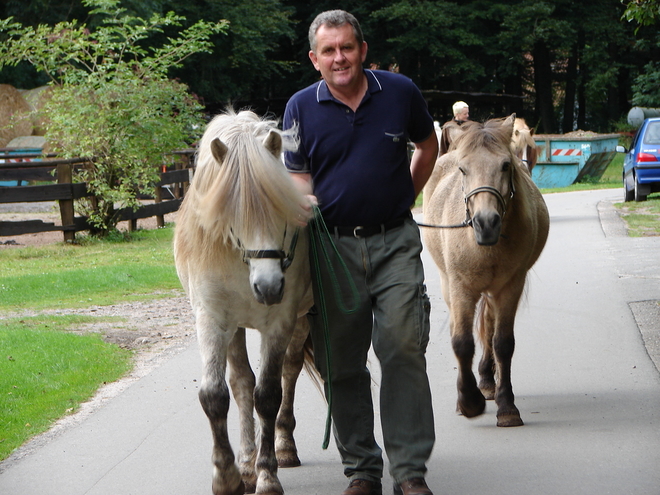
(646, 13)
(112, 99)
(247, 61)
(573, 62)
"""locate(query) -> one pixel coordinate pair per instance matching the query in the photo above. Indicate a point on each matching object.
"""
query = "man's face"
(463, 114)
(338, 56)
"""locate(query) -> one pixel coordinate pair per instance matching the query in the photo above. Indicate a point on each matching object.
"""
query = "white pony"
(244, 264)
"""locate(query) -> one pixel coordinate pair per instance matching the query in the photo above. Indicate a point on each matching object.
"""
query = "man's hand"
(303, 183)
(310, 201)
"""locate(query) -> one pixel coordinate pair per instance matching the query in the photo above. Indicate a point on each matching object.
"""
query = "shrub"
(112, 98)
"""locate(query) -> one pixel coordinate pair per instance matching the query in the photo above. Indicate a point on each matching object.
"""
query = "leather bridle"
(285, 258)
(487, 189)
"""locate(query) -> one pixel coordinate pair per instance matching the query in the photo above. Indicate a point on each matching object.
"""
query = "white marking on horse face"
(266, 274)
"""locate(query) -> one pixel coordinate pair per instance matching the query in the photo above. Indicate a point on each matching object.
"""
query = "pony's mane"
(491, 135)
(248, 197)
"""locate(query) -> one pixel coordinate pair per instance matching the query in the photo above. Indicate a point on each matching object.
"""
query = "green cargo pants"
(392, 313)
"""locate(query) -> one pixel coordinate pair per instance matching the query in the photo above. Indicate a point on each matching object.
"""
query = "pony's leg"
(242, 382)
(267, 401)
(285, 445)
(214, 397)
(505, 308)
(471, 401)
(486, 326)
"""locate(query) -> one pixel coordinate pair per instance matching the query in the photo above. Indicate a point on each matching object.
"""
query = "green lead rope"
(319, 232)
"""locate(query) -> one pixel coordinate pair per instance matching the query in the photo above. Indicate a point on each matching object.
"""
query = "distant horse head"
(523, 144)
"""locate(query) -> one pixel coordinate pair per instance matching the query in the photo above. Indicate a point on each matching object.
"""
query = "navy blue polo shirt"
(359, 160)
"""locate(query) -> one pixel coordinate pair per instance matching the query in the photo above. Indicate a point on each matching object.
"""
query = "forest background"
(561, 64)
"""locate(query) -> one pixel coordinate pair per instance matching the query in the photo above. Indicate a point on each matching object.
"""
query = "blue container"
(567, 158)
(14, 155)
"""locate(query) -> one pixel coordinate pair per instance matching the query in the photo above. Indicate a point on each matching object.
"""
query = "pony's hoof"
(287, 460)
(488, 393)
(473, 410)
(508, 420)
(240, 490)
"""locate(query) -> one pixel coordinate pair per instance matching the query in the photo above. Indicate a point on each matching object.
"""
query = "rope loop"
(318, 232)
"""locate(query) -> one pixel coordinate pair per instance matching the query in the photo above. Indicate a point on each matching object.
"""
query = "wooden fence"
(168, 193)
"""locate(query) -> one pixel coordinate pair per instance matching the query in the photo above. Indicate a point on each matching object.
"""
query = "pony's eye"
(462, 171)
(505, 166)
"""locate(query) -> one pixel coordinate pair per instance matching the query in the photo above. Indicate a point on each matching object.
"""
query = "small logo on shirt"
(396, 137)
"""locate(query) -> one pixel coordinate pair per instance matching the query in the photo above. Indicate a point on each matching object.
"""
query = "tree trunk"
(571, 88)
(543, 87)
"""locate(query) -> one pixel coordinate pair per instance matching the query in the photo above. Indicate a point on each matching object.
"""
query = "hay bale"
(14, 115)
(37, 98)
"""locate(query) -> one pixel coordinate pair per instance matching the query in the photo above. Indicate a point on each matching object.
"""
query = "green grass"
(643, 218)
(92, 273)
(46, 372)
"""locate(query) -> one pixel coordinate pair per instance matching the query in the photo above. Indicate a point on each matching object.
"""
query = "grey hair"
(458, 106)
(334, 18)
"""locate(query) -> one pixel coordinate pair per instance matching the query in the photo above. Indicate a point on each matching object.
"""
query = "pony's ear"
(273, 143)
(509, 123)
(219, 150)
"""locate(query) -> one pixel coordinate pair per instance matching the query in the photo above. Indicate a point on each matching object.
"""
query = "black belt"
(367, 230)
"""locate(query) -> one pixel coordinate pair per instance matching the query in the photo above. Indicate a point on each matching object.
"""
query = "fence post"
(65, 176)
(158, 198)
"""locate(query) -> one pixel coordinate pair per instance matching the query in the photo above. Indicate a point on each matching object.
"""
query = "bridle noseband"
(492, 190)
(285, 259)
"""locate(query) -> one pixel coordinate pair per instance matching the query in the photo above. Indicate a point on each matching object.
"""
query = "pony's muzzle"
(487, 228)
(270, 292)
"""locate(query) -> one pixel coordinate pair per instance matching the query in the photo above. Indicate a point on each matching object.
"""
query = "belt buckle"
(355, 231)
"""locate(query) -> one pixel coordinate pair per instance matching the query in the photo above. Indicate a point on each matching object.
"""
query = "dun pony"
(485, 264)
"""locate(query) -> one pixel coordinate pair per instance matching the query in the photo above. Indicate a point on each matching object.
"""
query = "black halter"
(285, 259)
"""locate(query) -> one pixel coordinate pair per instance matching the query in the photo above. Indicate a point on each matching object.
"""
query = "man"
(461, 113)
(354, 126)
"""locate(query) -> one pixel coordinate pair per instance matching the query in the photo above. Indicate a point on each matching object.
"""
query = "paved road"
(587, 389)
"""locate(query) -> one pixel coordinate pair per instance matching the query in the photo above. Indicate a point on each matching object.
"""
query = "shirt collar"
(323, 93)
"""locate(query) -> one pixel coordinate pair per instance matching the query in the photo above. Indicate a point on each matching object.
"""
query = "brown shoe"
(413, 486)
(363, 487)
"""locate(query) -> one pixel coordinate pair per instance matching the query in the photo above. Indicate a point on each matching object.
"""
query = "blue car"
(641, 166)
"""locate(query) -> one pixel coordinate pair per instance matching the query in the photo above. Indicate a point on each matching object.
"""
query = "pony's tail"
(482, 329)
(310, 367)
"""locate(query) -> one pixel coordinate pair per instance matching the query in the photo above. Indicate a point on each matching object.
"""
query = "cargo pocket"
(424, 327)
